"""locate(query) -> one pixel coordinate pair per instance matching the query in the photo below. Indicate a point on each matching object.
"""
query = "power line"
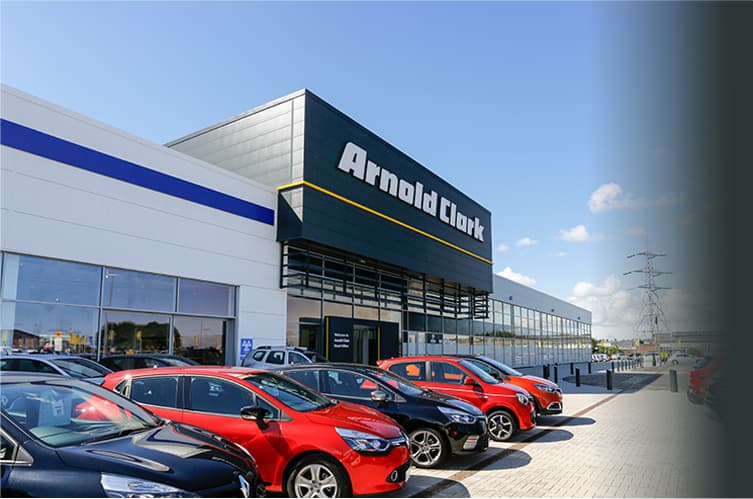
(652, 320)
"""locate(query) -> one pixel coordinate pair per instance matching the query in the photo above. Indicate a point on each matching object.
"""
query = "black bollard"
(571, 368)
(673, 380)
(653, 359)
(577, 377)
(556, 374)
(589, 368)
(609, 379)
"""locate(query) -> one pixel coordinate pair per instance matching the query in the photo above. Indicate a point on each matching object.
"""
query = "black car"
(438, 424)
(65, 365)
(125, 362)
(62, 437)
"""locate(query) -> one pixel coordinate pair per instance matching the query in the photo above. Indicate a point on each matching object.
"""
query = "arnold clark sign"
(354, 161)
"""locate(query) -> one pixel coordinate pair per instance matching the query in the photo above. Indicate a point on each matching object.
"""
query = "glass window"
(81, 413)
(199, 297)
(81, 368)
(139, 290)
(258, 356)
(297, 358)
(155, 390)
(54, 281)
(219, 396)
(444, 372)
(200, 339)
(7, 449)
(308, 377)
(276, 357)
(38, 326)
(129, 332)
(26, 365)
(348, 384)
(414, 371)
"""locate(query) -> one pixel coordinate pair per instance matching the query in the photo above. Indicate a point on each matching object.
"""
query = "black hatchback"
(438, 424)
(61, 437)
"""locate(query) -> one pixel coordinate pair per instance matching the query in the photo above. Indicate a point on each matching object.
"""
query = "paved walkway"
(641, 442)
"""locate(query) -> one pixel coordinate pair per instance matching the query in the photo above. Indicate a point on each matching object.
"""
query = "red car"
(509, 408)
(546, 394)
(304, 443)
(699, 378)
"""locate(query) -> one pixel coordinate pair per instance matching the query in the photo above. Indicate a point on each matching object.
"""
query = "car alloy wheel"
(317, 476)
(502, 425)
(427, 448)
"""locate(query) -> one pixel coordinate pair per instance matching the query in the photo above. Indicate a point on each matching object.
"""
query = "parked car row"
(314, 429)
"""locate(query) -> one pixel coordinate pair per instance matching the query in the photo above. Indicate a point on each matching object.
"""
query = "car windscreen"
(64, 412)
(395, 382)
(485, 376)
(81, 368)
(503, 367)
(289, 393)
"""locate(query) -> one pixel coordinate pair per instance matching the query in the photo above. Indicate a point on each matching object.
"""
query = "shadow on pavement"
(554, 436)
(627, 382)
(564, 421)
(495, 458)
(426, 486)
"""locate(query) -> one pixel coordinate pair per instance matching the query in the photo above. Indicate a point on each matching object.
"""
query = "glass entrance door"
(365, 348)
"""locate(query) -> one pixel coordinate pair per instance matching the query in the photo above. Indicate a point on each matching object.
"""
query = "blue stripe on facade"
(50, 147)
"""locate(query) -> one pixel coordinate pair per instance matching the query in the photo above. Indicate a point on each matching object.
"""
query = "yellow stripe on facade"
(383, 216)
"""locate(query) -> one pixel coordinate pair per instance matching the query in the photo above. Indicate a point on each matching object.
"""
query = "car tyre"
(502, 425)
(427, 448)
(318, 476)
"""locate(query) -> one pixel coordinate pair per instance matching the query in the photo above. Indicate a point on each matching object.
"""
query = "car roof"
(28, 377)
(145, 355)
(42, 356)
(339, 365)
(217, 370)
(423, 357)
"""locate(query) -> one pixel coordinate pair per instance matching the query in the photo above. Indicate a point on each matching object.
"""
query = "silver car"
(267, 357)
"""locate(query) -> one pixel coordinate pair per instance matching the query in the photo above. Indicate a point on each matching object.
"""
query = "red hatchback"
(304, 444)
(509, 408)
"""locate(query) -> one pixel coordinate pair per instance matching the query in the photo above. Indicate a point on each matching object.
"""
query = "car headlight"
(546, 388)
(126, 486)
(457, 416)
(523, 399)
(363, 442)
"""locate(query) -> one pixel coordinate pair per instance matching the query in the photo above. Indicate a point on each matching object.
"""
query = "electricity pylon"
(652, 319)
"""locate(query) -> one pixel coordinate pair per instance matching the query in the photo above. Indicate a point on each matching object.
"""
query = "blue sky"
(532, 109)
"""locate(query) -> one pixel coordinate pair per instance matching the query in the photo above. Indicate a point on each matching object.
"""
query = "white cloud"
(610, 196)
(526, 241)
(559, 253)
(503, 247)
(616, 312)
(508, 273)
(577, 234)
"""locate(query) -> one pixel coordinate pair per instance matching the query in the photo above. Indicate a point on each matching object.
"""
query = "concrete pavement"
(644, 442)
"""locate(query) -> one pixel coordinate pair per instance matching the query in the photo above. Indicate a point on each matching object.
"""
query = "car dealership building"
(287, 224)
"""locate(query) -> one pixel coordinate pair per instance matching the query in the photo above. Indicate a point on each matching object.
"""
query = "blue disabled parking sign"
(247, 344)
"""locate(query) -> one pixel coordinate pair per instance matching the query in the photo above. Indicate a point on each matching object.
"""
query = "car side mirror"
(380, 397)
(255, 413)
(469, 381)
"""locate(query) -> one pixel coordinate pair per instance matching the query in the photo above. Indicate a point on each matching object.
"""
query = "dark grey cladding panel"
(334, 223)
(330, 222)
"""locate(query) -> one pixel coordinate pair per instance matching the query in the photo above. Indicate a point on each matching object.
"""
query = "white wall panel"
(55, 210)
